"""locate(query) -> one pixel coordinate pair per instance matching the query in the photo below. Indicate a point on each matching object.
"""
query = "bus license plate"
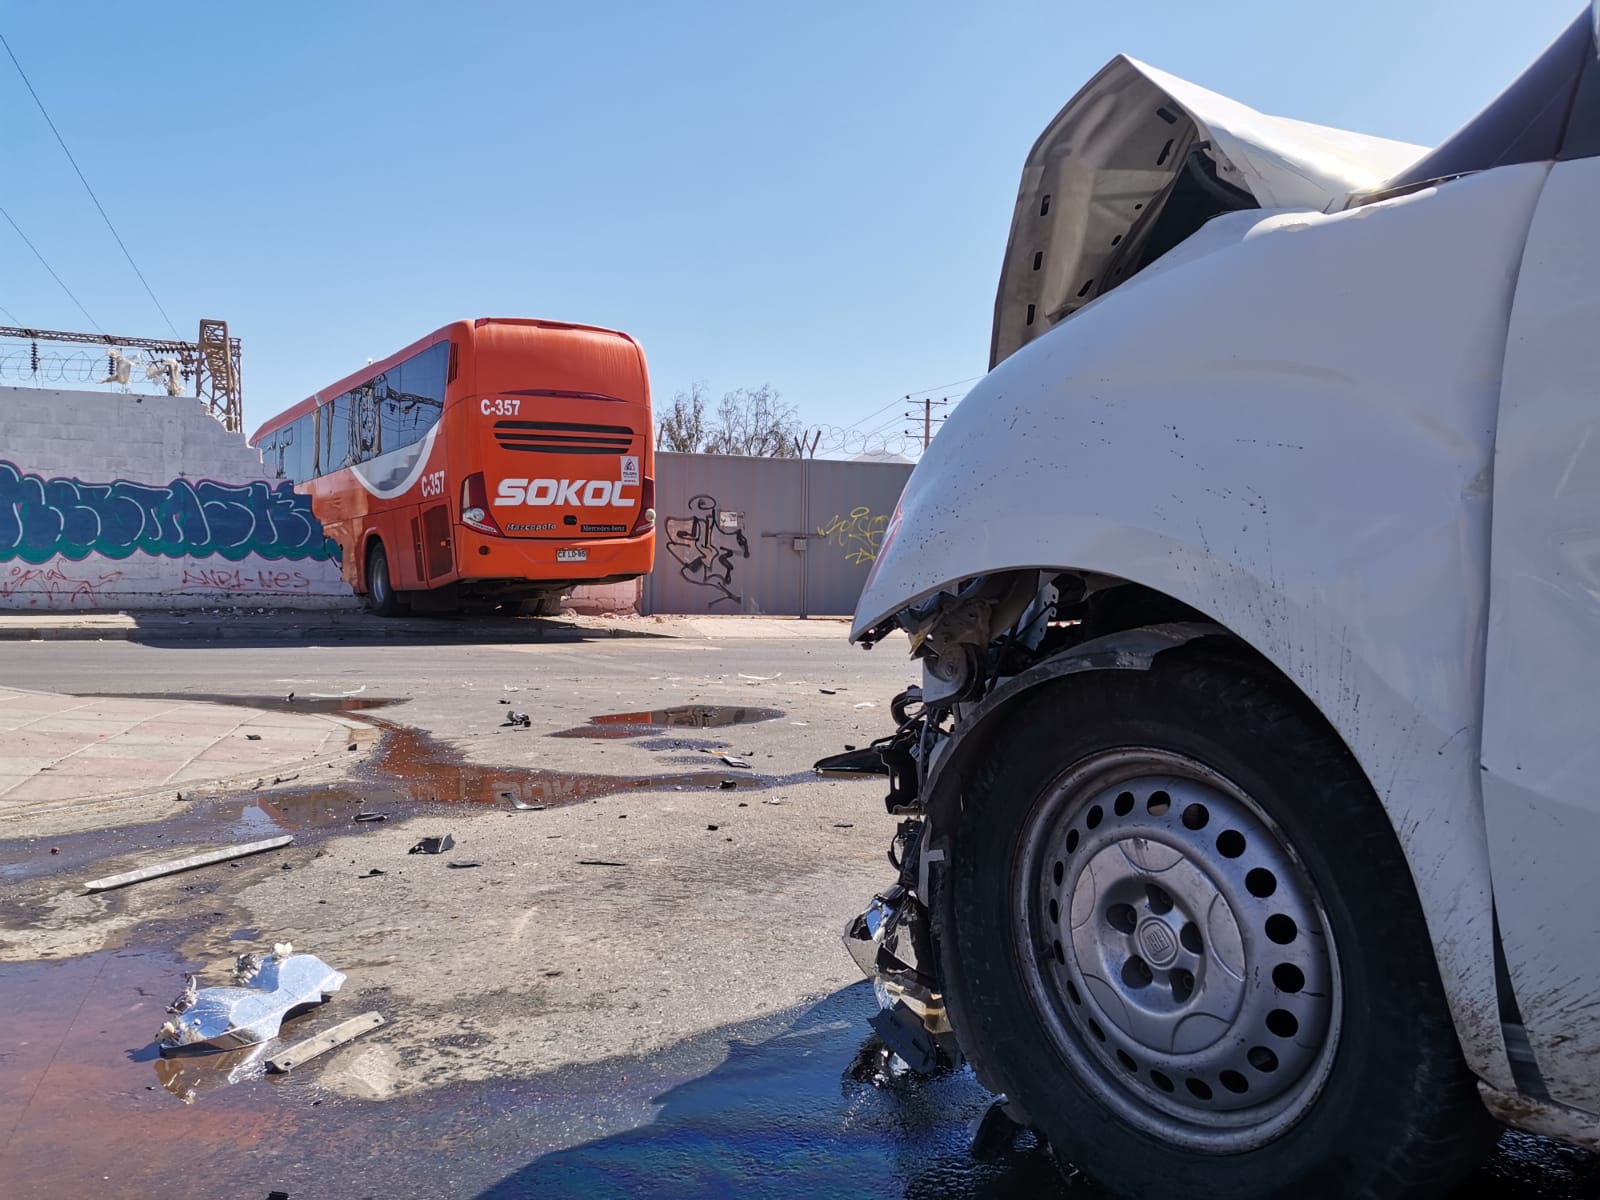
(572, 555)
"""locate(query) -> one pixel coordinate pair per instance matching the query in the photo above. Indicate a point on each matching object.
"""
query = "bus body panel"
(545, 426)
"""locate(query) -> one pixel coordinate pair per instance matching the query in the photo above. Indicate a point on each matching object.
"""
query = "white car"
(1253, 808)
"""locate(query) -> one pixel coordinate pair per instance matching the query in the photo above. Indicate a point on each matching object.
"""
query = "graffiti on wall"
(41, 519)
(860, 534)
(56, 587)
(704, 543)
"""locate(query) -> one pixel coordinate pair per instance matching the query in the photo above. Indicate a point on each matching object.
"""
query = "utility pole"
(927, 419)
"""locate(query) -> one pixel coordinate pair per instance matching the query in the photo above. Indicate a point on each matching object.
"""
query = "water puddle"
(683, 716)
(408, 772)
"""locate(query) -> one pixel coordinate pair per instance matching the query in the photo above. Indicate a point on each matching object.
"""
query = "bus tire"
(1061, 987)
(382, 599)
(545, 604)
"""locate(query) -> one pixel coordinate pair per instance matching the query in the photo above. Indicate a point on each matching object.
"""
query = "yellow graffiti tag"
(860, 534)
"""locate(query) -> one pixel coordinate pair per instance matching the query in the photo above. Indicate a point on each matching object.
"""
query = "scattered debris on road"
(433, 845)
(843, 825)
(265, 989)
(827, 691)
(711, 828)
(286, 778)
(518, 720)
(735, 762)
(371, 816)
(373, 873)
(598, 862)
(187, 863)
(252, 737)
(301, 1052)
(459, 864)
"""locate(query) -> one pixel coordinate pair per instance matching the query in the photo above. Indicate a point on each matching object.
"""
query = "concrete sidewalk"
(67, 751)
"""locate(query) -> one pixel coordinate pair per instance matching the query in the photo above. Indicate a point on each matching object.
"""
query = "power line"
(942, 386)
(52, 270)
(9, 315)
(874, 413)
(62, 142)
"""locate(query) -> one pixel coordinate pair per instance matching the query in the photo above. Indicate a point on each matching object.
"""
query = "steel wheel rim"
(1176, 950)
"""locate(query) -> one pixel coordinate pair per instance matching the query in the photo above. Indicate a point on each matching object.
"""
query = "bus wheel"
(381, 598)
(545, 604)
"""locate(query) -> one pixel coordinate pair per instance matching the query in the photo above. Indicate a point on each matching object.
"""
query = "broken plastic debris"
(366, 816)
(203, 859)
(433, 845)
(267, 989)
(518, 720)
(735, 762)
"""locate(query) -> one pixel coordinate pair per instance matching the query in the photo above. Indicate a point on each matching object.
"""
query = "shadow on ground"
(798, 1114)
(197, 630)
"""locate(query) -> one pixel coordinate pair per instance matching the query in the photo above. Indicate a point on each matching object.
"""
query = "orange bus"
(495, 462)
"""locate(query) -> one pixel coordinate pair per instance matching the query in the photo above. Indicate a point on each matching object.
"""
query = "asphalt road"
(619, 1000)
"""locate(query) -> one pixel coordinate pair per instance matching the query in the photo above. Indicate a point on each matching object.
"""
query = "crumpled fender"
(1286, 424)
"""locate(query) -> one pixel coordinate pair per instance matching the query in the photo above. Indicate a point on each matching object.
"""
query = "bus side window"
(336, 434)
(422, 384)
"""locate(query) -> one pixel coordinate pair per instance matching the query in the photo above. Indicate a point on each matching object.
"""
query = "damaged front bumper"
(892, 941)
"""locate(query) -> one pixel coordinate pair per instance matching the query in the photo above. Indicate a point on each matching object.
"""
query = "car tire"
(1143, 1077)
(382, 599)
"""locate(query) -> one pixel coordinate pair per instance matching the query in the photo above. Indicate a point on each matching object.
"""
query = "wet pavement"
(786, 1106)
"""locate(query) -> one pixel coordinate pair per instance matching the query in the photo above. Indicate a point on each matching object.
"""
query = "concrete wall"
(111, 500)
(784, 537)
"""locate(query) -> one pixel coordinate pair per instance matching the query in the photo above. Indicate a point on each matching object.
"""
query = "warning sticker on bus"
(630, 470)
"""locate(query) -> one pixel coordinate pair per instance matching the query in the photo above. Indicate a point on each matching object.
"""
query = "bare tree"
(749, 421)
(683, 426)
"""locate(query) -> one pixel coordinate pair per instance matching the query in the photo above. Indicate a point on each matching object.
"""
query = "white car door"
(1541, 728)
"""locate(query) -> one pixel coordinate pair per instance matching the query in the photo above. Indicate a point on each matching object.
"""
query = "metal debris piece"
(598, 862)
(735, 762)
(516, 719)
(186, 1001)
(366, 816)
(461, 864)
(433, 845)
(301, 1052)
(252, 737)
(518, 804)
(189, 862)
(852, 762)
(843, 825)
(269, 987)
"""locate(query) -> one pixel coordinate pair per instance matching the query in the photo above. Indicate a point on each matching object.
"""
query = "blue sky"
(814, 196)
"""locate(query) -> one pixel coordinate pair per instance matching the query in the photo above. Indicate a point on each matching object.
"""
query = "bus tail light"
(475, 512)
(647, 507)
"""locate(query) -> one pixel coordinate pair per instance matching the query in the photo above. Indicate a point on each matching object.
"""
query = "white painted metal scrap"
(187, 863)
(328, 1039)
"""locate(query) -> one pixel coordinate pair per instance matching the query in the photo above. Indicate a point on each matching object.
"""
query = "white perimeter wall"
(211, 539)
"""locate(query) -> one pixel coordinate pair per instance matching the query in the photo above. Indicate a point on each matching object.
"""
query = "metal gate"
(784, 537)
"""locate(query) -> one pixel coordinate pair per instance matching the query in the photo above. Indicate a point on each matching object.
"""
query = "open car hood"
(1136, 162)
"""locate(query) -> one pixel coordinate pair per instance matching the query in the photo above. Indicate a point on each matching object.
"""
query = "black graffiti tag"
(693, 541)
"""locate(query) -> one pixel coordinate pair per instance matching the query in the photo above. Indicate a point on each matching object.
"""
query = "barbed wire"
(28, 365)
(834, 439)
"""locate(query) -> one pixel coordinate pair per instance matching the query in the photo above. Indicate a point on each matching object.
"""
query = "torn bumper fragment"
(267, 989)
